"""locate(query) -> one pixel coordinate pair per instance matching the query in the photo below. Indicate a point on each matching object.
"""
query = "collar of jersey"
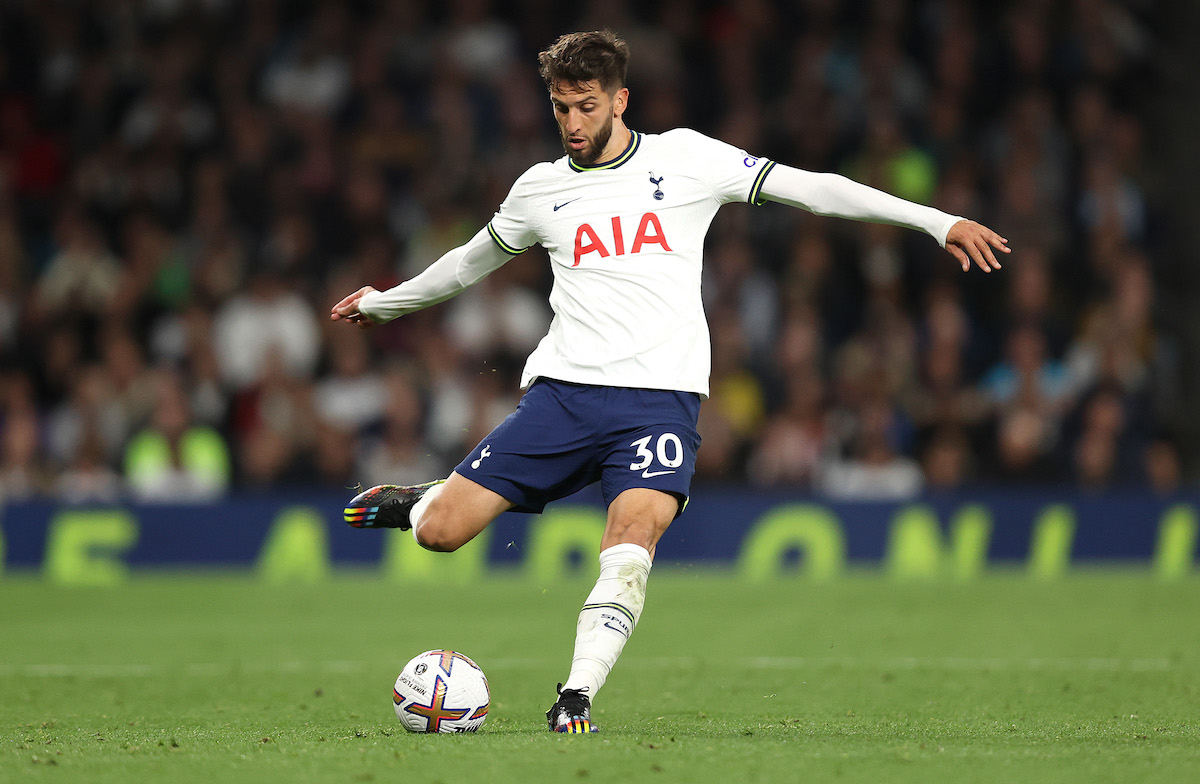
(635, 140)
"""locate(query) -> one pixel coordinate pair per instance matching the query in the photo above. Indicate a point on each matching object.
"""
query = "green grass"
(1095, 677)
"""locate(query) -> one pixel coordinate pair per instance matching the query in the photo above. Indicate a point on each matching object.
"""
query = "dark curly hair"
(576, 58)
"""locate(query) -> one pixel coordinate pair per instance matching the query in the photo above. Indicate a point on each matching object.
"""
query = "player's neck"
(617, 143)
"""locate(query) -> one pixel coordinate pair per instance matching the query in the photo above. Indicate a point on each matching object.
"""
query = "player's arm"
(454, 272)
(834, 195)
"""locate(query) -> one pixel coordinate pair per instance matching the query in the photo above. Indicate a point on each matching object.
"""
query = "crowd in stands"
(187, 186)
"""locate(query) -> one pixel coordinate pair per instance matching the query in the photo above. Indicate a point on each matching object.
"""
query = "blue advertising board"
(758, 533)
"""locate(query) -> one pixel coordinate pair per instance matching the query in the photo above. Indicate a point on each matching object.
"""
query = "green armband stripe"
(504, 246)
(756, 189)
(612, 606)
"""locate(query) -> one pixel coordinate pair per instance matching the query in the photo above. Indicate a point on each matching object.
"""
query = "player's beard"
(591, 151)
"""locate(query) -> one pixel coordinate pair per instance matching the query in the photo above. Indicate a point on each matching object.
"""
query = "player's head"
(585, 73)
(578, 58)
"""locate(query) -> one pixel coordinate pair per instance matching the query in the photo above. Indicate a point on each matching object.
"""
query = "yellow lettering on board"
(1176, 548)
(917, 550)
(84, 547)
(559, 536)
(404, 559)
(296, 549)
(812, 530)
(1050, 546)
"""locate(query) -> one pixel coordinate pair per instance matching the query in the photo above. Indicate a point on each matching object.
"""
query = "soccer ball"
(441, 691)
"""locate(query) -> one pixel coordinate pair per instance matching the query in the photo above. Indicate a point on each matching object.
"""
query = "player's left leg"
(637, 519)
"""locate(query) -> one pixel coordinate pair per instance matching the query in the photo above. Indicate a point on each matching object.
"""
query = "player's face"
(585, 115)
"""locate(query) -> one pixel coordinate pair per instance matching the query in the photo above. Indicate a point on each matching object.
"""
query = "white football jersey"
(625, 240)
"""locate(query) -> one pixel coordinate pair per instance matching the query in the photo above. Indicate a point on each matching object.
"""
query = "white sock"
(609, 616)
(414, 514)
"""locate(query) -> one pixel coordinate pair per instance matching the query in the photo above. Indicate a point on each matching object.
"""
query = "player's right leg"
(443, 515)
(455, 512)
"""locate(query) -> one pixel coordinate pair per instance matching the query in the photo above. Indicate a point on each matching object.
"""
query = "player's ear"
(620, 101)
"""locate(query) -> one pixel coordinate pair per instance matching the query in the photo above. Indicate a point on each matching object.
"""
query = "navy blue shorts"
(563, 437)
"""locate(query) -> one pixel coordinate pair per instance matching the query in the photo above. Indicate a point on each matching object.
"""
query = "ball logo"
(432, 696)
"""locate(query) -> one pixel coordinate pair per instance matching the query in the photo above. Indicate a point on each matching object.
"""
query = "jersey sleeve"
(732, 174)
(511, 227)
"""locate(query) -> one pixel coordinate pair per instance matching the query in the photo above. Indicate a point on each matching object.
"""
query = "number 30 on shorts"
(668, 449)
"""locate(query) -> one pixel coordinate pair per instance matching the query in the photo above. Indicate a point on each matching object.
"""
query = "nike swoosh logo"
(648, 473)
(558, 207)
(608, 625)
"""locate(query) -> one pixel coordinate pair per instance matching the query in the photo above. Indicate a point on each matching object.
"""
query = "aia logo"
(649, 232)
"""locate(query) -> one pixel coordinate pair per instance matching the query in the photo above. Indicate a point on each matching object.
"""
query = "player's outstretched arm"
(454, 272)
(830, 194)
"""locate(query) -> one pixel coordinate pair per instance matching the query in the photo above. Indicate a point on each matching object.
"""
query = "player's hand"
(969, 241)
(348, 310)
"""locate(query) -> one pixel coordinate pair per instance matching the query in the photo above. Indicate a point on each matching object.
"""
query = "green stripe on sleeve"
(756, 189)
(504, 246)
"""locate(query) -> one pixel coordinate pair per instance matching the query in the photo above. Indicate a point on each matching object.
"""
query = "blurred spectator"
(133, 384)
(23, 474)
(1163, 470)
(269, 321)
(875, 469)
(333, 458)
(499, 315)
(173, 459)
(400, 448)
(272, 424)
(795, 440)
(1108, 448)
(353, 395)
(946, 461)
(83, 277)
(736, 391)
(14, 283)
(734, 284)
(89, 477)
(91, 413)
(1022, 448)
(312, 75)
(1028, 375)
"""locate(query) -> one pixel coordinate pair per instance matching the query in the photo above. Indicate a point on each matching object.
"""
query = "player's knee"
(435, 531)
(431, 536)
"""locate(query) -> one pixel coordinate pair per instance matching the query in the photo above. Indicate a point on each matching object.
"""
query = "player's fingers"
(989, 256)
(349, 304)
(963, 260)
(974, 255)
(345, 308)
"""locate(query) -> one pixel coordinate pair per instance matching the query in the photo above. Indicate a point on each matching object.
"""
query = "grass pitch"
(1095, 677)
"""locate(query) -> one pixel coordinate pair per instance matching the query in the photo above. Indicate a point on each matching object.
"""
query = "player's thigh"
(544, 450)
(639, 516)
(458, 513)
(654, 447)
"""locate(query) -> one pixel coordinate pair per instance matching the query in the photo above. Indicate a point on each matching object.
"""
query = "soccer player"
(614, 388)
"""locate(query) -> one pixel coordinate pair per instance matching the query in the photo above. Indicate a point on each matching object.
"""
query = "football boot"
(385, 506)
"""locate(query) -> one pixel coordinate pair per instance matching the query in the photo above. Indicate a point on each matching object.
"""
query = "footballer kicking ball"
(441, 691)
